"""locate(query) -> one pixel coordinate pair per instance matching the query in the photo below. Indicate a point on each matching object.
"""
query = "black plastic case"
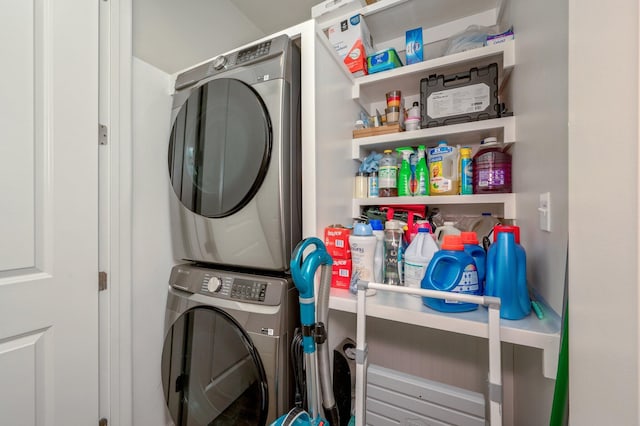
(459, 98)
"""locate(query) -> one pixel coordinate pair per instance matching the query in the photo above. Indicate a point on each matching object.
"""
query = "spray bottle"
(404, 174)
(422, 173)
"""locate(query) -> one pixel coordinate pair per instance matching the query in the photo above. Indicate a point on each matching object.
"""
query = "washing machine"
(234, 158)
(225, 359)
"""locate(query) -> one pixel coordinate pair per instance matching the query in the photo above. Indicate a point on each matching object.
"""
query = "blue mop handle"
(303, 273)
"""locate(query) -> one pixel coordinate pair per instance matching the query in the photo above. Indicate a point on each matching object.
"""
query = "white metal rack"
(491, 329)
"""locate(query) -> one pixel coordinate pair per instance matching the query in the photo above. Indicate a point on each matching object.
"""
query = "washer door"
(220, 148)
(211, 372)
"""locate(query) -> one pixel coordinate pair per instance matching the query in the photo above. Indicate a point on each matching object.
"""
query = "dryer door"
(212, 374)
(220, 148)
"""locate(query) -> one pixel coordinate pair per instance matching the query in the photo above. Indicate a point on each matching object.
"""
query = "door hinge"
(103, 422)
(102, 281)
(103, 134)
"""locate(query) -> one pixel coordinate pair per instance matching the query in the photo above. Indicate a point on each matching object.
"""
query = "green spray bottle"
(422, 173)
(404, 174)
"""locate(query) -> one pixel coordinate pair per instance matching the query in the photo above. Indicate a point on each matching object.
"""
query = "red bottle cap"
(452, 242)
(515, 230)
(469, 237)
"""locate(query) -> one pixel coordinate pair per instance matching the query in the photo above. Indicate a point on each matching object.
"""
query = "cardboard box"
(336, 239)
(353, 43)
(341, 273)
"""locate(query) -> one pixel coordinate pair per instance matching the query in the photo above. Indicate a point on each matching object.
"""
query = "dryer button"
(214, 284)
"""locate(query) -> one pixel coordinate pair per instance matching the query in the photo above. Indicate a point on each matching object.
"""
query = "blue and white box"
(414, 48)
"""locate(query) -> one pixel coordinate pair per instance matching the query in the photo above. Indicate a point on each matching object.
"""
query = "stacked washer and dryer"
(234, 167)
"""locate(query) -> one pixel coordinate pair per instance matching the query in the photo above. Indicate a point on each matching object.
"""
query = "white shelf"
(471, 133)
(507, 201)
(530, 331)
(407, 78)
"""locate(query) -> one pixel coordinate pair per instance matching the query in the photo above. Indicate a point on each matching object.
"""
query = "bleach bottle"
(470, 242)
(507, 273)
(451, 269)
(417, 257)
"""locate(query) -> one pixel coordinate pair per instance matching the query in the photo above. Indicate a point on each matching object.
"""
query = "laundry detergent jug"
(470, 241)
(507, 273)
(417, 257)
(451, 269)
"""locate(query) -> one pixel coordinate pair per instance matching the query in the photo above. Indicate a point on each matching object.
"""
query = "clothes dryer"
(234, 158)
(225, 359)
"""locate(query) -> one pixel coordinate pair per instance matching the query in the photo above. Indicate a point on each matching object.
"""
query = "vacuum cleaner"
(314, 335)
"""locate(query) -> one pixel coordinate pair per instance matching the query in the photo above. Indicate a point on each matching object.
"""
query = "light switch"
(544, 211)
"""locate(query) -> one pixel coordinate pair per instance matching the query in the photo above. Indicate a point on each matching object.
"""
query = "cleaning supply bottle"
(466, 171)
(472, 247)
(447, 228)
(388, 175)
(417, 257)
(393, 252)
(404, 174)
(491, 168)
(363, 246)
(378, 257)
(507, 273)
(443, 169)
(451, 269)
(422, 173)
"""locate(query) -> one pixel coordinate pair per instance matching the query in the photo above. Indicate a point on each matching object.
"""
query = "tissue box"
(336, 239)
(414, 46)
(341, 273)
(352, 41)
(382, 61)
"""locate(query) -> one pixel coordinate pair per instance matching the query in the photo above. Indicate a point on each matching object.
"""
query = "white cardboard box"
(352, 41)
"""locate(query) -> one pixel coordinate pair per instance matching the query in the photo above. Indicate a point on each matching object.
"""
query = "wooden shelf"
(471, 133)
(530, 331)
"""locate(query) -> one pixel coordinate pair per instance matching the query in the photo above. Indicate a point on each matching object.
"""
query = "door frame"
(115, 212)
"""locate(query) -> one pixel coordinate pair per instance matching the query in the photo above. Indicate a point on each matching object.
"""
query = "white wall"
(603, 184)
(173, 35)
(152, 255)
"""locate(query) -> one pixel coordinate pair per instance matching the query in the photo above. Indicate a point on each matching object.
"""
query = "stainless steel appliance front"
(234, 158)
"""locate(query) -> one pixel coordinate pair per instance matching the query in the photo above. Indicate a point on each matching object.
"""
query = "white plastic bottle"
(417, 258)
(363, 246)
(447, 229)
(378, 257)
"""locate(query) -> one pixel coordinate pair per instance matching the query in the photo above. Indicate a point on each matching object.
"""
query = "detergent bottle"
(422, 173)
(447, 228)
(471, 246)
(417, 257)
(363, 247)
(507, 273)
(451, 269)
(404, 173)
(443, 170)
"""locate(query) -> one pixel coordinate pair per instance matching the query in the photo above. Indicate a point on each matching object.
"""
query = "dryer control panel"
(242, 287)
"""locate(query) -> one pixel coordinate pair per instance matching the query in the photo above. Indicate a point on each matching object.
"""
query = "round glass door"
(211, 372)
(219, 148)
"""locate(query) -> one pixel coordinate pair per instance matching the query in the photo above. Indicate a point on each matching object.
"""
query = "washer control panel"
(254, 52)
(229, 285)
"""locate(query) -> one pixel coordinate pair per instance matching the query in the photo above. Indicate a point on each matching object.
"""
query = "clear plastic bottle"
(378, 257)
(388, 175)
(393, 252)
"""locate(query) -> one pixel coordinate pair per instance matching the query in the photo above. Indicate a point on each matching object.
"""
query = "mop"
(313, 333)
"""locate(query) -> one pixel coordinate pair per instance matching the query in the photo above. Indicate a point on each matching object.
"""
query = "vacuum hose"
(324, 370)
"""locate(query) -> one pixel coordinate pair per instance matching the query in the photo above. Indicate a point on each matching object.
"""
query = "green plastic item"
(422, 173)
(404, 174)
(560, 407)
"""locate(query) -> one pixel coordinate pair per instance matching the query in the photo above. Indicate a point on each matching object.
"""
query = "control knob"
(219, 62)
(214, 284)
